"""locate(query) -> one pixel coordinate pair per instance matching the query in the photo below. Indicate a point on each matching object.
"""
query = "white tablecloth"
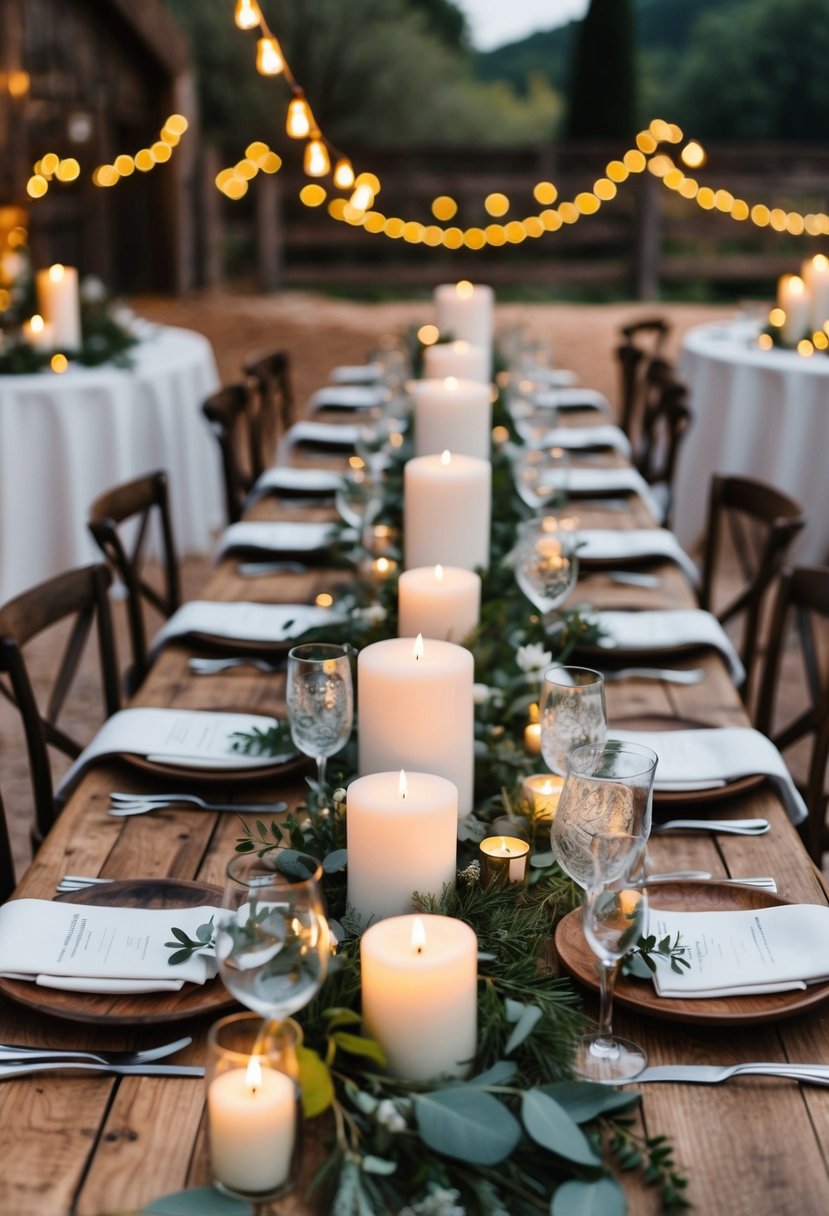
(759, 414)
(66, 438)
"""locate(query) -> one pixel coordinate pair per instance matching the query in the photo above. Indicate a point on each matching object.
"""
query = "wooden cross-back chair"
(761, 522)
(641, 342)
(270, 372)
(80, 594)
(7, 882)
(665, 420)
(138, 502)
(801, 601)
(230, 413)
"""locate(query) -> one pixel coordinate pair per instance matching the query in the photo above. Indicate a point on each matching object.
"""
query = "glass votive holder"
(542, 792)
(253, 1106)
(503, 859)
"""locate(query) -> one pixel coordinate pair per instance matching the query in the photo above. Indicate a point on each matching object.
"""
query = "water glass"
(320, 700)
(572, 712)
(545, 564)
(541, 476)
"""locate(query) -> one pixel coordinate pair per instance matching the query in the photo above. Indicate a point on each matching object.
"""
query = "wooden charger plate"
(269, 770)
(640, 995)
(143, 1008)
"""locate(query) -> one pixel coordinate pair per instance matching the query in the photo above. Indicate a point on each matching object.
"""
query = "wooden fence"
(646, 242)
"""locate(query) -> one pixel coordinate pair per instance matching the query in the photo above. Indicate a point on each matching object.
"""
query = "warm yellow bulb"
(705, 197)
(804, 347)
(820, 340)
(474, 238)
(545, 193)
(245, 169)
(177, 124)
(144, 160)
(587, 203)
(496, 204)
(495, 234)
(444, 207)
(353, 215)
(453, 238)
(514, 232)
(316, 161)
(604, 189)
(49, 164)
(161, 151)
(432, 235)
(739, 209)
(269, 61)
(393, 227)
(300, 120)
(777, 317)
(235, 188)
(368, 179)
(661, 130)
(765, 342)
(617, 171)
(693, 154)
(170, 137)
(312, 195)
(36, 186)
(795, 224)
(59, 363)
(336, 208)
(247, 15)
(645, 142)
(551, 219)
(343, 174)
(413, 232)
(723, 200)
(106, 175)
(533, 226)
(270, 163)
(660, 164)
(124, 164)
(256, 150)
(428, 335)
(760, 214)
(634, 160)
(362, 198)
(374, 222)
(68, 170)
(568, 212)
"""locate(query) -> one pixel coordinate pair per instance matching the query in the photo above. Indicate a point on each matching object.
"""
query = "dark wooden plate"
(144, 1008)
(578, 959)
(686, 798)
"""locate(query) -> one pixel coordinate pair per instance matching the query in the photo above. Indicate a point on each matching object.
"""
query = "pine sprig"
(654, 1156)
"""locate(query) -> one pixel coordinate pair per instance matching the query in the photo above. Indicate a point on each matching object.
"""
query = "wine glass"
(320, 700)
(572, 711)
(358, 498)
(541, 475)
(546, 566)
(531, 420)
(272, 936)
(614, 918)
(608, 790)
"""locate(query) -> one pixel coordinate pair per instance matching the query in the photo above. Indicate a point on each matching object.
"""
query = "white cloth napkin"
(356, 373)
(244, 622)
(339, 437)
(86, 948)
(346, 397)
(666, 629)
(193, 738)
(603, 435)
(275, 538)
(746, 952)
(550, 377)
(285, 479)
(609, 545)
(717, 754)
(572, 399)
(605, 481)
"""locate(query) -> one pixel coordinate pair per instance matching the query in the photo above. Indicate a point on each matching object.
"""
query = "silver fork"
(713, 1074)
(727, 827)
(9, 1051)
(669, 675)
(763, 882)
(122, 804)
(212, 667)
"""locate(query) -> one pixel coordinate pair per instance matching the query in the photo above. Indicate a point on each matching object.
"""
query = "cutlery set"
(123, 805)
(24, 1061)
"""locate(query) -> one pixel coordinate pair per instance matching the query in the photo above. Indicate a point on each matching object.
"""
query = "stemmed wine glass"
(546, 565)
(572, 711)
(615, 916)
(320, 700)
(541, 476)
(358, 498)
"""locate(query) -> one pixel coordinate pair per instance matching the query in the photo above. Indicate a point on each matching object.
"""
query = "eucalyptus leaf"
(584, 1101)
(197, 1201)
(357, 1045)
(601, 1198)
(501, 1073)
(340, 1016)
(335, 861)
(542, 860)
(523, 1027)
(180, 956)
(467, 1123)
(550, 1126)
(294, 864)
(377, 1165)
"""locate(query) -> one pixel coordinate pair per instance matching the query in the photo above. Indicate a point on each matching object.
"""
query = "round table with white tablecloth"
(66, 438)
(756, 413)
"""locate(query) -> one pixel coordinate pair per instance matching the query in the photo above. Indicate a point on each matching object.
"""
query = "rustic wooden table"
(90, 1145)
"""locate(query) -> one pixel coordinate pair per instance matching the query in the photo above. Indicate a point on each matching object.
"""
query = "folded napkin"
(609, 545)
(338, 437)
(275, 538)
(550, 377)
(85, 948)
(718, 754)
(583, 482)
(744, 953)
(572, 399)
(244, 622)
(662, 630)
(299, 482)
(193, 738)
(356, 373)
(346, 397)
(573, 438)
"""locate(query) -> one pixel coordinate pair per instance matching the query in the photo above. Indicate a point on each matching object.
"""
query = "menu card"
(99, 949)
(743, 953)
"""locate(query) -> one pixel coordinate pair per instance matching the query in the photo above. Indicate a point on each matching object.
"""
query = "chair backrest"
(270, 372)
(802, 600)
(80, 594)
(641, 341)
(229, 413)
(666, 418)
(761, 522)
(137, 503)
(7, 882)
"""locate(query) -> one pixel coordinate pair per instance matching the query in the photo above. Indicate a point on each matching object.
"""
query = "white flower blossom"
(388, 1116)
(373, 614)
(481, 693)
(439, 1202)
(533, 657)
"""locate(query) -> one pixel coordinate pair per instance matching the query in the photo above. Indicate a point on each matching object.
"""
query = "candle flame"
(796, 285)
(820, 261)
(504, 844)
(451, 383)
(37, 324)
(253, 1075)
(464, 289)
(56, 272)
(417, 649)
(547, 787)
(402, 785)
(445, 457)
(438, 573)
(418, 935)
(381, 565)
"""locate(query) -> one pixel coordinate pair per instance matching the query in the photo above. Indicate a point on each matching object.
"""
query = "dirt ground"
(319, 333)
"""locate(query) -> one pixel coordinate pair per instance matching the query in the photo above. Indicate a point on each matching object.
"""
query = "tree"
(602, 91)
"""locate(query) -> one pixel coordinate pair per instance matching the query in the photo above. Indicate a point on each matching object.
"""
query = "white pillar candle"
(793, 298)
(59, 303)
(463, 359)
(38, 333)
(815, 274)
(454, 414)
(446, 511)
(402, 836)
(252, 1121)
(416, 711)
(419, 979)
(464, 310)
(441, 602)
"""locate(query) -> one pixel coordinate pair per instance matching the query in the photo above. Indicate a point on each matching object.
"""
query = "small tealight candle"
(383, 568)
(38, 333)
(503, 859)
(532, 733)
(542, 792)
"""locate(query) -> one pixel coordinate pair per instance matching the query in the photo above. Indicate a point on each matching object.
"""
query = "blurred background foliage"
(403, 72)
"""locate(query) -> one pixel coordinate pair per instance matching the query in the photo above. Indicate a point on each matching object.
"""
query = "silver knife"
(8, 1071)
(713, 1074)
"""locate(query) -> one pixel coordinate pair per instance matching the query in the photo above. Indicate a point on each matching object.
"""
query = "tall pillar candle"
(793, 298)
(465, 310)
(419, 980)
(815, 275)
(59, 304)
(442, 602)
(454, 414)
(416, 711)
(466, 360)
(446, 511)
(402, 836)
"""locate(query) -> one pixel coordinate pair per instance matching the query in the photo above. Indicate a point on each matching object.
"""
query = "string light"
(269, 58)
(247, 15)
(343, 176)
(316, 161)
(300, 121)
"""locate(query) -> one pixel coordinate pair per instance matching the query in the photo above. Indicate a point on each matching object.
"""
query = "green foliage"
(602, 102)
(654, 1155)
